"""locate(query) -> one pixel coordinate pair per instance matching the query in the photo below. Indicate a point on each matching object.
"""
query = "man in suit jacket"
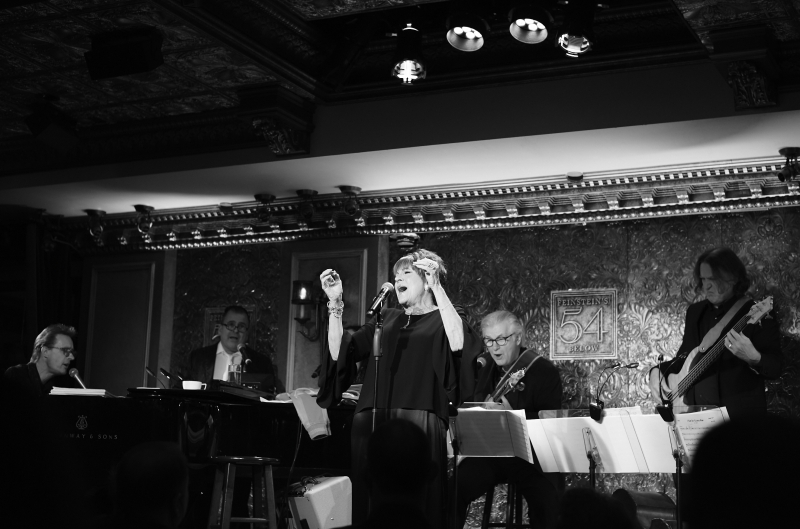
(52, 354)
(539, 389)
(736, 378)
(211, 362)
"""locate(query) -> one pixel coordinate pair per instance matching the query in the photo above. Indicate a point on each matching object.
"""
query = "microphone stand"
(377, 353)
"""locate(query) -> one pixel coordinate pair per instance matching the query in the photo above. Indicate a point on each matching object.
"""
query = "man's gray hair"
(502, 316)
(47, 337)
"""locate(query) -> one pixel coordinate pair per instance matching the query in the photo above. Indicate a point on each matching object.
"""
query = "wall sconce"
(302, 296)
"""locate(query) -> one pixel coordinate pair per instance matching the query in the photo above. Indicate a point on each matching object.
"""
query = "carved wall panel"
(247, 275)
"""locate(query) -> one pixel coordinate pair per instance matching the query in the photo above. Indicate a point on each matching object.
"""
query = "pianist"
(211, 362)
(52, 354)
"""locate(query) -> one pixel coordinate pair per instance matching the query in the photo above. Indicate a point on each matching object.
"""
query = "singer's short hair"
(407, 261)
(236, 309)
(48, 336)
(723, 262)
(502, 316)
(149, 477)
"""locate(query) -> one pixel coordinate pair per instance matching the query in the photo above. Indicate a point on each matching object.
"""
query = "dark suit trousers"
(477, 474)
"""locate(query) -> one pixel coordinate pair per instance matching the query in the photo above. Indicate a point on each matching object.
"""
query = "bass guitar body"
(671, 381)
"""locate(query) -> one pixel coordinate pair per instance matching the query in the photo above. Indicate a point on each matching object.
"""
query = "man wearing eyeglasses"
(52, 354)
(211, 362)
(539, 389)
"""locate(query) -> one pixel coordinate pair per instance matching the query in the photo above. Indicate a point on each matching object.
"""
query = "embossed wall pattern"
(225, 276)
(650, 264)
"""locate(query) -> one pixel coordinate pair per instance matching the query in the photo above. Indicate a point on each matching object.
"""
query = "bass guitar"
(678, 384)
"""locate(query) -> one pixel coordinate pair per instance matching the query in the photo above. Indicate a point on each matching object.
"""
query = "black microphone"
(482, 360)
(596, 407)
(242, 348)
(150, 372)
(386, 289)
(74, 374)
(169, 375)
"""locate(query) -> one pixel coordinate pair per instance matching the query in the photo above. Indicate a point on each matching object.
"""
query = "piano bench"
(263, 491)
(513, 509)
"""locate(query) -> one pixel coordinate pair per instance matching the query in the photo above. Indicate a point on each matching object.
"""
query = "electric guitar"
(676, 385)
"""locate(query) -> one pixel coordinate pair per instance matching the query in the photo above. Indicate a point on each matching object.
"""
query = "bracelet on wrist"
(336, 307)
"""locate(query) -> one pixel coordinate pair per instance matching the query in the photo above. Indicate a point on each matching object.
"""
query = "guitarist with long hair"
(730, 344)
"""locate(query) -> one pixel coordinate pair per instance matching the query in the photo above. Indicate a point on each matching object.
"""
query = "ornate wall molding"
(607, 197)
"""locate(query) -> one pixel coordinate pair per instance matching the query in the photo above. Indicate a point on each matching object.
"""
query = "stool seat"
(222, 494)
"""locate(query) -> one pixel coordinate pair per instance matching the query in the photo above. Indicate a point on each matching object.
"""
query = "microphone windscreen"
(74, 372)
(388, 286)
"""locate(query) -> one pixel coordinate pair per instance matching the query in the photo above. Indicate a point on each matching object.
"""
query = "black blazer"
(731, 382)
(201, 367)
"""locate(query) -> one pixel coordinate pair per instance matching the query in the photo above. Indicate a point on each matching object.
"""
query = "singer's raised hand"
(431, 269)
(331, 284)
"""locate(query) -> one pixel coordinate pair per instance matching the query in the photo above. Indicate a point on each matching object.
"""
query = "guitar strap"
(712, 335)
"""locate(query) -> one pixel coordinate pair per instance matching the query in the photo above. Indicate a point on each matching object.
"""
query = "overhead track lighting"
(143, 220)
(530, 24)
(792, 167)
(350, 205)
(96, 225)
(265, 209)
(306, 207)
(577, 35)
(466, 32)
(409, 64)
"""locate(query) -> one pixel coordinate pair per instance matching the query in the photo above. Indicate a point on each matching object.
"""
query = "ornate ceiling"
(220, 55)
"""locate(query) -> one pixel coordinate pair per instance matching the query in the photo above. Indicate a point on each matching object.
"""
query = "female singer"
(424, 345)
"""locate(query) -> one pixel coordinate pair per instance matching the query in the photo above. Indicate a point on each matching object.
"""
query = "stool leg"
(227, 497)
(271, 514)
(258, 496)
(216, 495)
(487, 509)
(509, 505)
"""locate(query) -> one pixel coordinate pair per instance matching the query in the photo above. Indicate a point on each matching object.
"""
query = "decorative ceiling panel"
(313, 9)
(28, 12)
(218, 67)
(780, 15)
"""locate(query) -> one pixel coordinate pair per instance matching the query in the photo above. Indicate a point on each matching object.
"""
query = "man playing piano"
(539, 389)
(52, 353)
(211, 362)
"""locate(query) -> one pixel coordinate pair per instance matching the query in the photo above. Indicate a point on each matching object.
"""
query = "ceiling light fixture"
(792, 167)
(350, 205)
(577, 35)
(143, 220)
(264, 211)
(409, 65)
(96, 225)
(466, 32)
(306, 208)
(530, 24)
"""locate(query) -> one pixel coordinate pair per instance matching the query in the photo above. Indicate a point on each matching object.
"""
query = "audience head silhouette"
(588, 509)
(745, 475)
(151, 484)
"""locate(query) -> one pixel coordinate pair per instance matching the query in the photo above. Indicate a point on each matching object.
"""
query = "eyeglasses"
(233, 326)
(66, 351)
(502, 340)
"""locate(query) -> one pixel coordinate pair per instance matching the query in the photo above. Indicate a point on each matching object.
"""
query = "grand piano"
(98, 431)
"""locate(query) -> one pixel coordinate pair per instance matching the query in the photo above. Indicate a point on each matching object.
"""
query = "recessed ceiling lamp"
(466, 31)
(577, 36)
(409, 65)
(792, 167)
(530, 24)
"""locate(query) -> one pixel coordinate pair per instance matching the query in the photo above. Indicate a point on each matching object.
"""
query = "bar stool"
(223, 491)
(513, 510)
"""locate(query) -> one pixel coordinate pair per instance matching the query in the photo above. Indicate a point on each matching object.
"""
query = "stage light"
(143, 220)
(350, 205)
(792, 167)
(96, 225)
(409, 64)
(530, 24)
(306, 207)
(577, 36)
(265, 209)
(466, 32)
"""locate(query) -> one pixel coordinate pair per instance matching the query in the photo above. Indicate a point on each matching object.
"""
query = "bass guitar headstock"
(760, 310)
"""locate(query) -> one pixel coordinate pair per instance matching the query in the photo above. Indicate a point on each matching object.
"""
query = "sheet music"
(692, 427)
(541, 446)
(653, 438)
(493, 433)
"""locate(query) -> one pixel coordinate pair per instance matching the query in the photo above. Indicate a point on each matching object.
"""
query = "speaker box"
(124, 52)
(322, 503)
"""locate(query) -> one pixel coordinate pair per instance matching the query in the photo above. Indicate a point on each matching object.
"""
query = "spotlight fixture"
(530, 24)
(350, 205)
(143, 220)
(574, 176)
(577, 36)
(264, 211)
(792, 167)
(409, 65)
(306, 208)
(96, 225)
(466, 31)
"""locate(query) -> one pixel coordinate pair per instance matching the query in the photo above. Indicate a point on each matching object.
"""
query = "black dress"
(419, 376)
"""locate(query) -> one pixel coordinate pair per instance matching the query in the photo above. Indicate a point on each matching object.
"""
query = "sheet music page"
(542, 446)
(692, 427)
(484, 433)
(565, 436)
(653, 435)
(519, 435)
